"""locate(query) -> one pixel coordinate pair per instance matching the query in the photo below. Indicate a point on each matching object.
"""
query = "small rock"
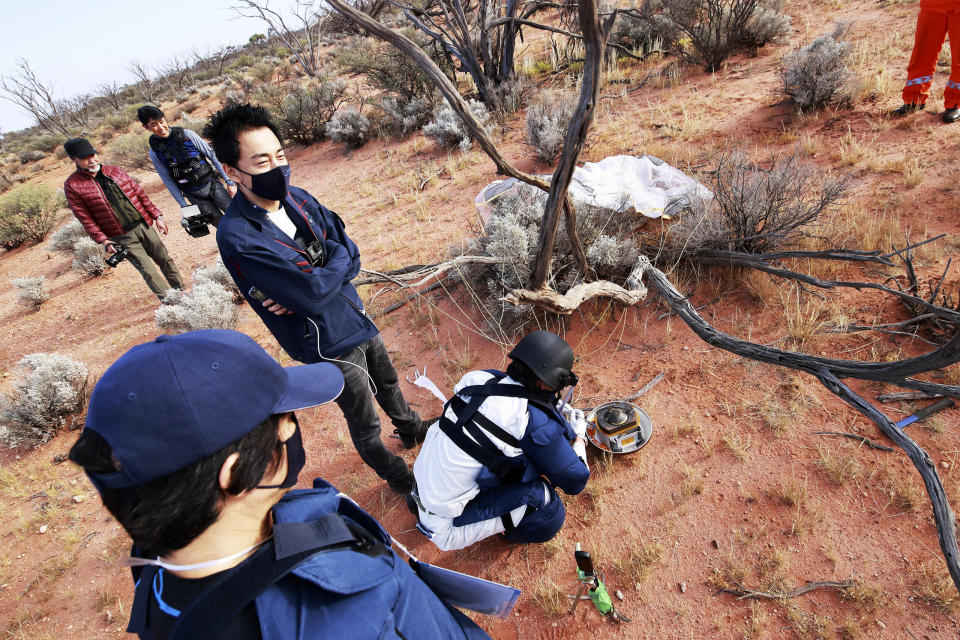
(910, 598)
(945, 464)
(636, 586)
(880, 624)
(78, 499)
(619, 594)
(683, 587)
(714, 544)
(42, 529)
(74, 481)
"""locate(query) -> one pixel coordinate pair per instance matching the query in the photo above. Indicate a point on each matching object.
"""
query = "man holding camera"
(116, 212)
(193, 445)
(293, 261)
(188, 167)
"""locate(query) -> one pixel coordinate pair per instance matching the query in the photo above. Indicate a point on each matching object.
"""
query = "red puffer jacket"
(91, 207)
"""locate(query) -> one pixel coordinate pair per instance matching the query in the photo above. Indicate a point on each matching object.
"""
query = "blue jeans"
(356, 402)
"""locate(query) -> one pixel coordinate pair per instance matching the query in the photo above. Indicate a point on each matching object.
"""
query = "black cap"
(78, 148)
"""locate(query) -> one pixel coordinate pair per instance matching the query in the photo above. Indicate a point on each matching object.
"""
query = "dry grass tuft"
(641, 562)
(549, 597)
(838, 467)
(737, 445)
(935, 585)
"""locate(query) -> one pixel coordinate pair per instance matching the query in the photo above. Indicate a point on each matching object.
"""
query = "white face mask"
(139, 562)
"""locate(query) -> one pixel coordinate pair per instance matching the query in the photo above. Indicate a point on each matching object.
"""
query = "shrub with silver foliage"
(208, 305)
(350, 127)
(31, 291)
(448, 131)
(63, 238)
(547, 123)
(215, 272)
(88, 258)
(40, 402)
(817, 74)
(400, 118)
(512, 232)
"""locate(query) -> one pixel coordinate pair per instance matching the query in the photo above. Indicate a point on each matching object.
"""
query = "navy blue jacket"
(342, 593)
(257, 254)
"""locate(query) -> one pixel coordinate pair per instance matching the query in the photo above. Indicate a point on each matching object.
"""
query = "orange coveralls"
(937, 18)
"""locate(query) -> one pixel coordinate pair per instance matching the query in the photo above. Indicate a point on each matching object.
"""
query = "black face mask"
(296, 459)
(270, 185)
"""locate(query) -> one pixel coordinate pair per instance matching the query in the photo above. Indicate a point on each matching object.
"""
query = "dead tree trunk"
(477, 132)
(829, 372)
(594, 38)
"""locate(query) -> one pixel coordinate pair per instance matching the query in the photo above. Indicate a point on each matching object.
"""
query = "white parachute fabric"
(646, 185)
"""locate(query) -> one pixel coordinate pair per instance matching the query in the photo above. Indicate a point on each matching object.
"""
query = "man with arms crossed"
(293, 261)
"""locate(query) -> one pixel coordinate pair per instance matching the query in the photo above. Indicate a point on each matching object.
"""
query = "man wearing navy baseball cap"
(192, 442)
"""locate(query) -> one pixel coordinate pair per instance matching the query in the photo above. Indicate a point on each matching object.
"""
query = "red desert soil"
(733, 486)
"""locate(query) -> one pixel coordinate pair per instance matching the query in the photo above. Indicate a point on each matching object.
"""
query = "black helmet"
(548, 356)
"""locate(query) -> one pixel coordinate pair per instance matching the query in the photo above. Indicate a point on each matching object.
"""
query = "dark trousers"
(144, 245)
(356, 402)
(211, 198)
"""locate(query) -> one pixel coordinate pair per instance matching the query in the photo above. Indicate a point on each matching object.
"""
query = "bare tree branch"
(26, 91)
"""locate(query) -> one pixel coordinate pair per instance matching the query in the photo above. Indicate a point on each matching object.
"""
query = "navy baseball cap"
(167, 404)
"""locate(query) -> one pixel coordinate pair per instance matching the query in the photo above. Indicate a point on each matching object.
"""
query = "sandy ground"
(734, 486)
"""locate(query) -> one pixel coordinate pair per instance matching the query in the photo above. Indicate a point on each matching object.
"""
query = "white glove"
(578, 422)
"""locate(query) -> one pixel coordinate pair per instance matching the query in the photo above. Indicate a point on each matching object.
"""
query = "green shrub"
(707, 32)
(29, 212)
(49, 142)
(386, 68)
(116, 122)
(302, 109)
(131, 151)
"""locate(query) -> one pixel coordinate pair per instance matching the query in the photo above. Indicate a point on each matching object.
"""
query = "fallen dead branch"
(867, 441)
(567, 303)
(743, 592)
(829, 371)
(419, 274)
(899, 396)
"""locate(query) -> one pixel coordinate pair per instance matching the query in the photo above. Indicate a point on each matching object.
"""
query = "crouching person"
(490, 464)
(195, 462)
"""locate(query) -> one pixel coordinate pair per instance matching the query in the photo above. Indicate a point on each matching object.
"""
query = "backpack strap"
(470, 420)
(292, 543)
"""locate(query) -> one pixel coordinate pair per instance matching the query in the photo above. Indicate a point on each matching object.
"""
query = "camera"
(315, 253)
(118, 256)
(195, 221)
